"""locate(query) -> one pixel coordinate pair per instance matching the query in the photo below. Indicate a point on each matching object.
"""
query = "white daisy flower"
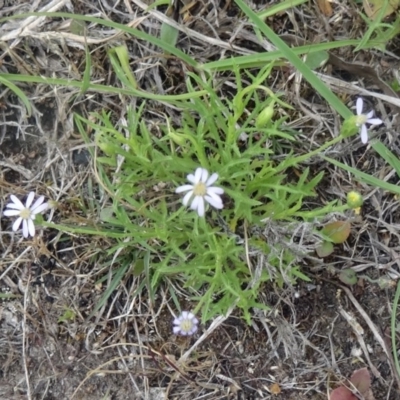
(201, 190)
(185, 324)
(26, 213)
(363, 119)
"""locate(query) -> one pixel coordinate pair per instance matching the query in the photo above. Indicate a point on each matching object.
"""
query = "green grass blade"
(260, 59)
(362, 176)
(388, 156)
(103, 88)
(17, 91)
(86, 74)
(280, 7)
(116, 280)
(393, 330)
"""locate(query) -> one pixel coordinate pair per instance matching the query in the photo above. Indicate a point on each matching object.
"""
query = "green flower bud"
(104, 144)
(350, 127)
(354, 199)
(265, 116)
(179, 138)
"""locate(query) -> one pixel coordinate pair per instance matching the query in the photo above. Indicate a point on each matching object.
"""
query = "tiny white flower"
(26, 213)
(201, 190)
(363, 119)
(185, 324)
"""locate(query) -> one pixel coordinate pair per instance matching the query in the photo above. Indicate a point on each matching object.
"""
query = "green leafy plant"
(67, 315)
(139, 170)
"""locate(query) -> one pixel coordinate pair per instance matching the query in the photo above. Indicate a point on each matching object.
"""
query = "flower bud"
(179, 138)
(354, 199)
(350, 127)
(265, 116)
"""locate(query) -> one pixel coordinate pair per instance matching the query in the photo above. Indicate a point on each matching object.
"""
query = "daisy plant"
(216, 251)
(202, 245)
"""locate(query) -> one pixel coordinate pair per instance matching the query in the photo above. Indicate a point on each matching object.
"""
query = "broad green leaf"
(348, 276)
(337, 231)
(77, 27)
(317, 59)
(169, 34)
(325, 250)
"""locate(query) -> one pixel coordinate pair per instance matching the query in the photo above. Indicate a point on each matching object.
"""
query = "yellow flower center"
(186, 325)
(25, 213)
(200, 189)
(361, 119)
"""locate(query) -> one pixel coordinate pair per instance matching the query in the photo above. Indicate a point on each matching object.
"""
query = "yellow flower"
(354, 199)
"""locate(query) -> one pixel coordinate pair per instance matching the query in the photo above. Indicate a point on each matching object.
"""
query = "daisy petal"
(191, 178)
(11, 213)
(374, 121)
(183, 188)
(176, 329)
(39, 209)
(38, 202)
(195, 203)
(214, 202)
(15, 206)
(187, 197)
(200, 207)
(213, 178)
(29, 200)
(214, 196)
(370, 114)
(17, 202)
(25, 231)
(197, 174)
(31, 227)
(204, 175)
(359, 106)
(216, 190)
(364, 134)
(193, 330)
(17, 224)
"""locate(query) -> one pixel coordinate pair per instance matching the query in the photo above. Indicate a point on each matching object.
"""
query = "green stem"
(393, 327)
(296, 160)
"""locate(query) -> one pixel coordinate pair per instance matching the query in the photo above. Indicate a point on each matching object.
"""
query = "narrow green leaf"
(17, 91)
(86, 73)
(388, 156)
(371, 180)
(118, 275)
